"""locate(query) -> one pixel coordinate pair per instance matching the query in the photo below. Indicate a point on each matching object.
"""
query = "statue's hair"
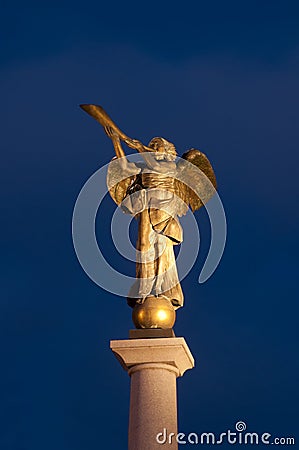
(157, 142)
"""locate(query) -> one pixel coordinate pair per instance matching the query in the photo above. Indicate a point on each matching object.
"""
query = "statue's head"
(166, 148)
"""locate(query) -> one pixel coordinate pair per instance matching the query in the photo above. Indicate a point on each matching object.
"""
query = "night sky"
(219, 76)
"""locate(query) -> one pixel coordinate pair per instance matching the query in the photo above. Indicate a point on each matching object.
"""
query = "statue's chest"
(157, 180)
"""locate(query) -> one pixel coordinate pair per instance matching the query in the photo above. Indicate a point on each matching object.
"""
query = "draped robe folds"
(151, 198)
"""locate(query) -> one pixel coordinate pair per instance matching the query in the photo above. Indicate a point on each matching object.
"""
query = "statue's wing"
(195, 183)
(119, 181)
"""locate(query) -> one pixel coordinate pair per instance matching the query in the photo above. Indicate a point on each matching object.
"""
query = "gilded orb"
(154, 312)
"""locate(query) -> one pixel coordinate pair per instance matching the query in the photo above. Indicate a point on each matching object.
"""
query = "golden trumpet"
(100, 115)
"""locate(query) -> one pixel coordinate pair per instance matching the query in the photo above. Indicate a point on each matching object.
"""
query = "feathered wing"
(195, 183)
(123, 182)
(118, 182)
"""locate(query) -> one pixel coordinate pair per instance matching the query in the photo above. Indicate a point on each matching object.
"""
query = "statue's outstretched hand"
(135, 144)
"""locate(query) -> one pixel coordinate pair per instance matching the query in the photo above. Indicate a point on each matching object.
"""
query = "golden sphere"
(154, 312)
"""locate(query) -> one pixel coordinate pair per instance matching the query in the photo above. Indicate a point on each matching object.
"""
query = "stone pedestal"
(153, 365)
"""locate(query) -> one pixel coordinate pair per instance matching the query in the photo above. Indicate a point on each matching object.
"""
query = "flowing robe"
(151, 198)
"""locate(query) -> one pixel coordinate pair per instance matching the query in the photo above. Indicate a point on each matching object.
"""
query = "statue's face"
(162, 155)
(164, 150)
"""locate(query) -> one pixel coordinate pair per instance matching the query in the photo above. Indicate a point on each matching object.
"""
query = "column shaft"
(153, 407)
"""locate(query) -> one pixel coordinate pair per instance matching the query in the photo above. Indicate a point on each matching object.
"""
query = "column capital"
(152, 352)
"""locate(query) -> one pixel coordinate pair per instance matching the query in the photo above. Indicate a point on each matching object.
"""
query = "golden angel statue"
(156, 191)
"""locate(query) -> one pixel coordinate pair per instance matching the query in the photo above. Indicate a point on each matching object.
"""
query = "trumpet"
(111, 129)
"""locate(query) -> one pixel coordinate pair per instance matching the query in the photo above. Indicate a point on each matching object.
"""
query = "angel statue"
(156, 191)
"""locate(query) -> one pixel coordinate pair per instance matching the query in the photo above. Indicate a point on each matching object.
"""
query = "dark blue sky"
(219, 76)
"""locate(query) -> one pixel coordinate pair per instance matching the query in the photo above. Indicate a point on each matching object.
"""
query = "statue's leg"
(162, 260)
(167, 281)
(145, 261)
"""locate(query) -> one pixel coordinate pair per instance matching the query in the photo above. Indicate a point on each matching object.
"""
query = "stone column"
(153, 365)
